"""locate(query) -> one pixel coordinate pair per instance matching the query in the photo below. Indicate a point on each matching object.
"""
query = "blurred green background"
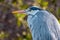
(24, 33)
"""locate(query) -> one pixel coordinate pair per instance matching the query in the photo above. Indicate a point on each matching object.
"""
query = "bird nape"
(43, 25)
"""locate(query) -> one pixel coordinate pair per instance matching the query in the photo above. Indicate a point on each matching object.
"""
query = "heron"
(43, 24)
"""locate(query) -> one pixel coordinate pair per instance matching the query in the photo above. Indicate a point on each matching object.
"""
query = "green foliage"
(20, 17)
(59, 10)
(1, 0)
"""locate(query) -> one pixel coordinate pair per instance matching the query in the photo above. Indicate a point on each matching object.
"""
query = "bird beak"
(14, 11)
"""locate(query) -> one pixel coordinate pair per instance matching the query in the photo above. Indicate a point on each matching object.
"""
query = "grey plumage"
(43, 25)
